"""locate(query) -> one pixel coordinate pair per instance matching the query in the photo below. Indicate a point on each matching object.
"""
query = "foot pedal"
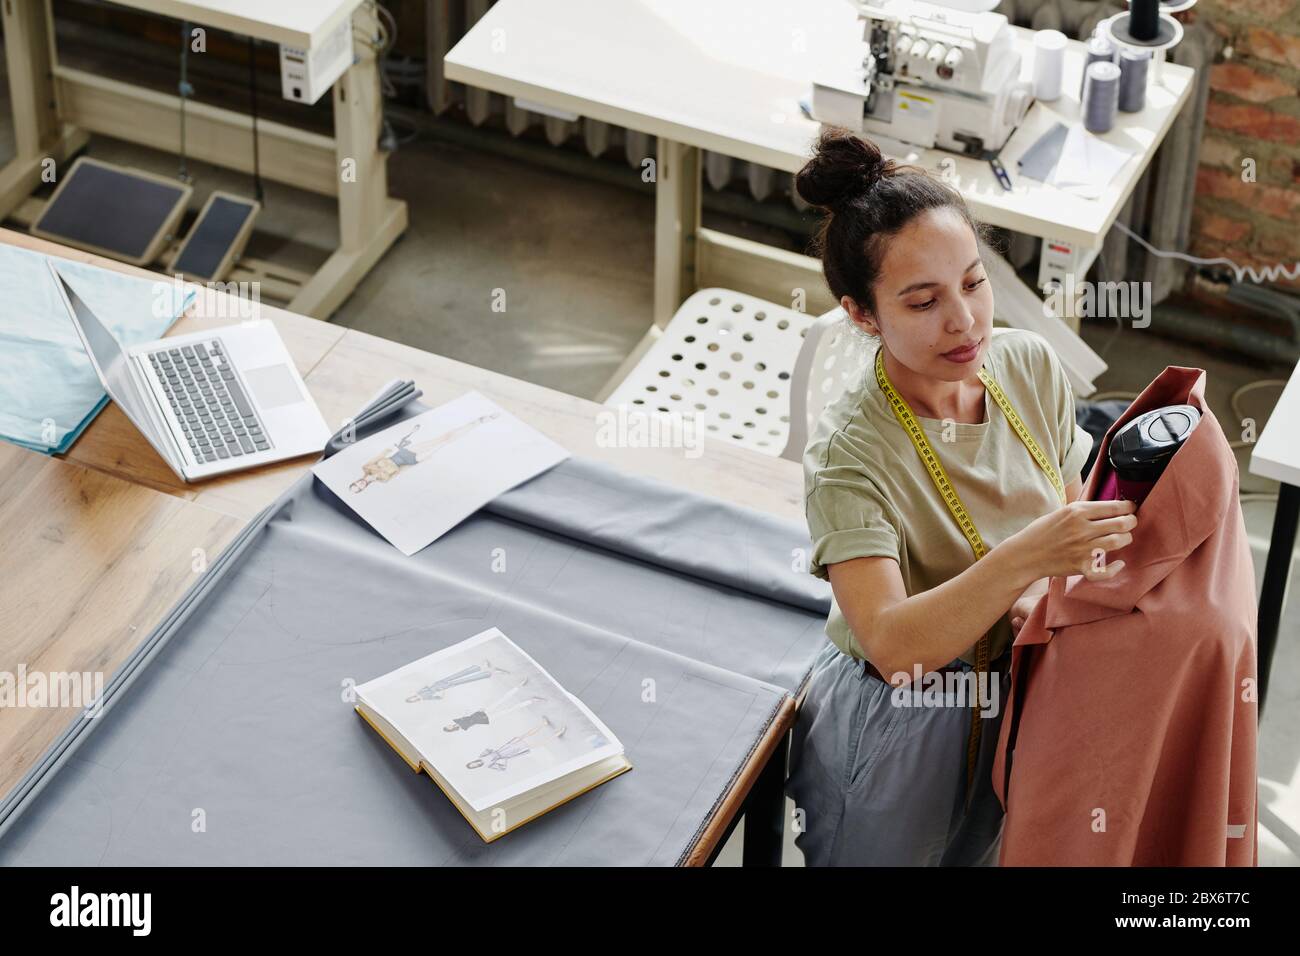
(217, 238)
(115, 211)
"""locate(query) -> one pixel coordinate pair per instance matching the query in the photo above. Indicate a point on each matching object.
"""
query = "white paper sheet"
(1087, 164)
(415, 481)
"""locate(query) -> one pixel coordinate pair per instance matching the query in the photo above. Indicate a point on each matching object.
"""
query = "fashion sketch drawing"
(498, 708)
(392, 461)
(498, 758)
(466, 675)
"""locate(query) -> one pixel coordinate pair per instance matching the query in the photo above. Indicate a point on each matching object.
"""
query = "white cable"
(1250, 387)
(384, 12)
(1267, 274)
(386, 35)
(1236, 411)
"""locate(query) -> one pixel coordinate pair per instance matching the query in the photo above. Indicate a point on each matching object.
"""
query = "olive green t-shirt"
(868, 493)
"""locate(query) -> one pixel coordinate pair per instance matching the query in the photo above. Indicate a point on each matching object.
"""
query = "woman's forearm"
(935, 626)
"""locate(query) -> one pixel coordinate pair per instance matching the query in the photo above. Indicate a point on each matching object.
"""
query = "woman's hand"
(1074, 539)
(1026, 603)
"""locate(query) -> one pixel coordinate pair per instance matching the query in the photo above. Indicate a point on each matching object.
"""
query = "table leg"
(38, 134)
(765, 811)
(369, 219)
(1058, 260)
(1277, 571)
(677, 222)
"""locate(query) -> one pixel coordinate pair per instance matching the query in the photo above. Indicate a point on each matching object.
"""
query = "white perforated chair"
(833, 358)
(726, 360)
(733, 363)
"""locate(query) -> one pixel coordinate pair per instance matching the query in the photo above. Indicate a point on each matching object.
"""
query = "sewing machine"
(930, 76)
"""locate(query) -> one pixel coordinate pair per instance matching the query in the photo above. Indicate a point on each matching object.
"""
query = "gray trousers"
(878, 784)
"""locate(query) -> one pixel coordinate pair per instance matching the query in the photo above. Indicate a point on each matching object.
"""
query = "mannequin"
(1140, 450)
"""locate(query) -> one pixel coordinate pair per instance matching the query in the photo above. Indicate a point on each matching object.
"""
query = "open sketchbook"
(494, 730)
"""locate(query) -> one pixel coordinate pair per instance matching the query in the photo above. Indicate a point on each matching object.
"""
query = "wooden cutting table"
(104, 540)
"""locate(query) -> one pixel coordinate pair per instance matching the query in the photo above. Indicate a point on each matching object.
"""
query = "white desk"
(1277, 456)
(727, 76)
(56, 107)
(297, 23)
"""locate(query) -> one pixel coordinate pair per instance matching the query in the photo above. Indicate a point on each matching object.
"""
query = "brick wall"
(1253, 113)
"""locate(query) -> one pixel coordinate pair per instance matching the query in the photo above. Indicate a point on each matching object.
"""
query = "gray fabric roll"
(622, 588)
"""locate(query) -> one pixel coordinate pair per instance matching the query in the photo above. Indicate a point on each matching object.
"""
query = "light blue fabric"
(49, 392)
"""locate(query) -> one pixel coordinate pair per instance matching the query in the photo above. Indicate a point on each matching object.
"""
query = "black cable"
(185, 91)
(252, 95)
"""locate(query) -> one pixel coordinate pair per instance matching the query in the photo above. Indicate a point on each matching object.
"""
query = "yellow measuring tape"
(949, 495)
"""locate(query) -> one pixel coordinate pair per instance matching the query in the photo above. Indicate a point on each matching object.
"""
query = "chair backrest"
(833, 357)
(725, 360)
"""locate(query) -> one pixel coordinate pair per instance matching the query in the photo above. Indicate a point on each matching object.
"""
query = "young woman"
(941, 494)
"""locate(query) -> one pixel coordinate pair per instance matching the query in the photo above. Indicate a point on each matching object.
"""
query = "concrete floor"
(575, 261)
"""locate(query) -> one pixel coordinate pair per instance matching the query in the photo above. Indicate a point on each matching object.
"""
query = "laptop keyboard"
(215, 415)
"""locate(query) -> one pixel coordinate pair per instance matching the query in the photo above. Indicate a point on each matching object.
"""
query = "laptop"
(210, 402)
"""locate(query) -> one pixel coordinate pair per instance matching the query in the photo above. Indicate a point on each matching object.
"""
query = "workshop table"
(1277, 455)
(727, 76)
(112, 539)
(56, 107)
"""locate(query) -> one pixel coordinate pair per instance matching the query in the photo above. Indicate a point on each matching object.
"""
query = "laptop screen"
(108, 357)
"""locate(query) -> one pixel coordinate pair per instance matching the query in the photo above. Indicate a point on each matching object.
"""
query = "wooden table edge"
(734, 800)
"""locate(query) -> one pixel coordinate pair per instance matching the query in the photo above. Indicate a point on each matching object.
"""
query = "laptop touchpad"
(273, 386)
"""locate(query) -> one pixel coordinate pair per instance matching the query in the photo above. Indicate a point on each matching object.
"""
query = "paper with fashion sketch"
(489, 719)
(420, 478)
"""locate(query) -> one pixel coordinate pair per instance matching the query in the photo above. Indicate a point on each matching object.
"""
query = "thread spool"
(1049, 60)
(1098, 49)
(1133, 80)
(1144, 19)
(1100, 96)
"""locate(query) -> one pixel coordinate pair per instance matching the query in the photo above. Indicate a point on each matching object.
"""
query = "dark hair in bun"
(867, 199)
(844, 168)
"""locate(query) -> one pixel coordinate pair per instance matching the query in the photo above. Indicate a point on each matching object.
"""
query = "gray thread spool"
(1133, 79)
(1098, 48)
(1100, 96)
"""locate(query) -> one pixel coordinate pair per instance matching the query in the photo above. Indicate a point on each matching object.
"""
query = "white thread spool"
(1049, 63)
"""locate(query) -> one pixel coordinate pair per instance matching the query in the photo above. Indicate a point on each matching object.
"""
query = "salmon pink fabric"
(1130, 732)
